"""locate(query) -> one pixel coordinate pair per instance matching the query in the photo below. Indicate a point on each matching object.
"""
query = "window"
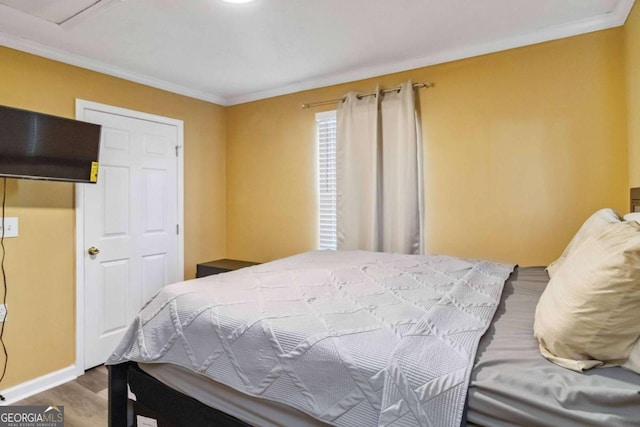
(326, 134)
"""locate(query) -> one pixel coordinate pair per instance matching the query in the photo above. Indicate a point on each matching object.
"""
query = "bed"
(508, 382)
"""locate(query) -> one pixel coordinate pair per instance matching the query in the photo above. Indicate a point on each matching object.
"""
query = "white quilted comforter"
(351, 338)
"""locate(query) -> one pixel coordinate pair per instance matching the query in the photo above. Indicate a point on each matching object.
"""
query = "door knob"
(93, 250)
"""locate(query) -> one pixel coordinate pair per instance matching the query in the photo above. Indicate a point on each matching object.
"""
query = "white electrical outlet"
(10, 227)
(3, 313)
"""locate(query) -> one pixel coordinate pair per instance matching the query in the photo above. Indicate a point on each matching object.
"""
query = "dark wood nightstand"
(221, 266)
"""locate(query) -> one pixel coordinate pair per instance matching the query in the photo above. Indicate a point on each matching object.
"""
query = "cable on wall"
(4, 284)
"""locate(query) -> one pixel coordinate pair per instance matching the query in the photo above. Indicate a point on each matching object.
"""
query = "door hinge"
(178, 150)
(177, 228)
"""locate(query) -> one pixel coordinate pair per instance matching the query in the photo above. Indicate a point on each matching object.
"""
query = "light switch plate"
(10, 226)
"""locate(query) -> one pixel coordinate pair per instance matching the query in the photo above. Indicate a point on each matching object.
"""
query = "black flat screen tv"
(39, 146)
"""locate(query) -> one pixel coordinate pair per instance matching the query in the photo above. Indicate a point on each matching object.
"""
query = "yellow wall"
(632, 57)
(521, 147)
(40, 329)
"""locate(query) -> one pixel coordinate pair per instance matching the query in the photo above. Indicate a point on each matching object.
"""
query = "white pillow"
(633, 216)
(633, 362)
(593, 225)
(589, 314)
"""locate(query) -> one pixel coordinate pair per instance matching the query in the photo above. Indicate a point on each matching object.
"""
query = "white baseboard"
(37, 385)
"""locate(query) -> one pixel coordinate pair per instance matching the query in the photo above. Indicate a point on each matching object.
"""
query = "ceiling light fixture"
(237, 1)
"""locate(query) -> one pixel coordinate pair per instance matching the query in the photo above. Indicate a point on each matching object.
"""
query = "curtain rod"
(335, 101)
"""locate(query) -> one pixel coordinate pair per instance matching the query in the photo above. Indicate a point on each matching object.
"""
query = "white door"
(131, 221)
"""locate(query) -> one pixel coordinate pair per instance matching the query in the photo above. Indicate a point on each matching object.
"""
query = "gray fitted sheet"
(511, 385)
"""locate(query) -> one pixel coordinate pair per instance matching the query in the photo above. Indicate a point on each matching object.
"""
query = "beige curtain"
(379, 174)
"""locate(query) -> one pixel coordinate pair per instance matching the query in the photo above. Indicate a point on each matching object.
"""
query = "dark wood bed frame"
(157, 400)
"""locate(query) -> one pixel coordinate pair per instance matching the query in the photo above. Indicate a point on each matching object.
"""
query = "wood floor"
(84, 399)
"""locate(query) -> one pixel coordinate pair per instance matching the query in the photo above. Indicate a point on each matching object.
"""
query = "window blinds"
(326, 132)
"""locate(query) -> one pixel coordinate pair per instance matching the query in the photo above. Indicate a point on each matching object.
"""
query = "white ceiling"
(229, 54)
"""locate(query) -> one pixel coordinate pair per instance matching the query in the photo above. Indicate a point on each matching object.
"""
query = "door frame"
(81, 107)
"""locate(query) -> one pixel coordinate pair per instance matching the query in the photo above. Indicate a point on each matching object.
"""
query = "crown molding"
(39, 49)
(605, 21)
